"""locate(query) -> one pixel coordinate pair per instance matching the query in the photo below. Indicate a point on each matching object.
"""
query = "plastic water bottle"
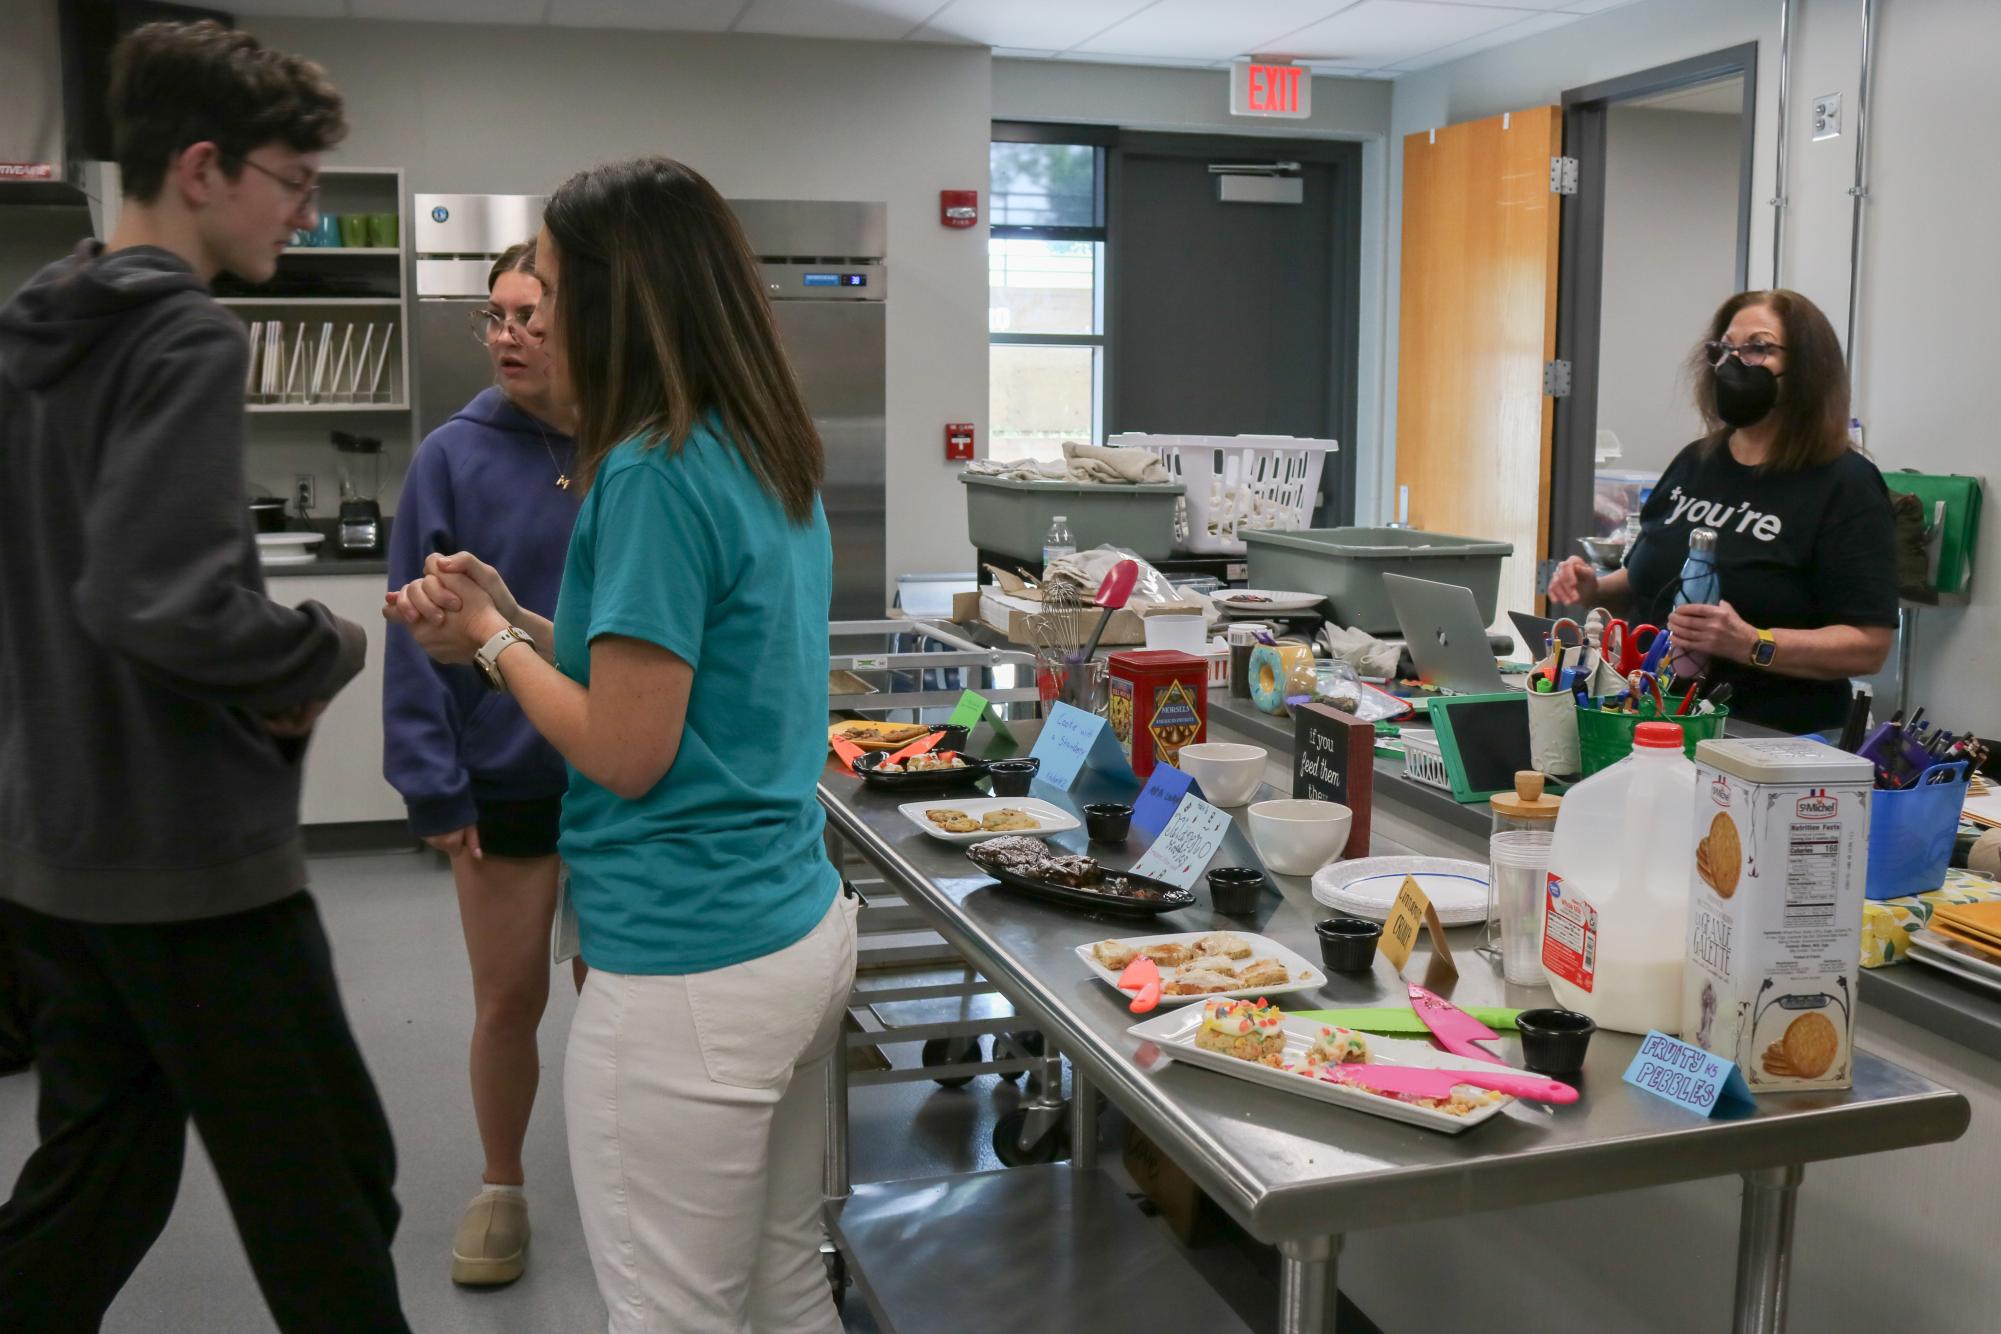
(1059, 542)
(1699, 584)
(1615, 909)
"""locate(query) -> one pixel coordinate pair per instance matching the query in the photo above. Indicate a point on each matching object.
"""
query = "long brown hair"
(517, 258)
(663, 319)
(1812, 410)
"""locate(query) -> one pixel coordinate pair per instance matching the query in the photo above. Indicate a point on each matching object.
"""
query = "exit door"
(1236, 318)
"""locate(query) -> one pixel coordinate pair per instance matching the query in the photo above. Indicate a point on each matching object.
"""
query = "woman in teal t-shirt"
(684, 680)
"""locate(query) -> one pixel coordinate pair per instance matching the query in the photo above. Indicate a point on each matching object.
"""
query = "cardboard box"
(1781, 832)
(1177, 1197)
(1010, 604)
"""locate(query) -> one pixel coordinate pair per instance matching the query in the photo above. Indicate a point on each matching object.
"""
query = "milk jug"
(1615, 911)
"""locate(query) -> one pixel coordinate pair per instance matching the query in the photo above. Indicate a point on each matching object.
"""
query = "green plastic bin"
(1603, 739)
(1014, 517)
(1347, 565)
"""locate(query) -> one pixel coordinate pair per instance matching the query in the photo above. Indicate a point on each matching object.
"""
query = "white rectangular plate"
(1305, 976)
(1174, 1034)
(1051, 819)
(1946, 959)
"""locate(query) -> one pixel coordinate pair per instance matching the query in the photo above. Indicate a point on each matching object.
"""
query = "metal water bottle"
(1699, 584)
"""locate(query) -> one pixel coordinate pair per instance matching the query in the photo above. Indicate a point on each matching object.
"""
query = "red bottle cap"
(1660, 736)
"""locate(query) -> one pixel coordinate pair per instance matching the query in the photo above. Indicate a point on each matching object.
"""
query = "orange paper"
(847, 750)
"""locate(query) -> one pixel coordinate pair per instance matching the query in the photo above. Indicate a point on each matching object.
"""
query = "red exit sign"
(1270, 90)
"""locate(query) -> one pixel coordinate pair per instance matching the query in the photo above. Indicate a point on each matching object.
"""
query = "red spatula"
(1422, 1082)
(1112, 595)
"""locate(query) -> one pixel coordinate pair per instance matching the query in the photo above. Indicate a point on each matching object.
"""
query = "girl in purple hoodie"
(481, 785)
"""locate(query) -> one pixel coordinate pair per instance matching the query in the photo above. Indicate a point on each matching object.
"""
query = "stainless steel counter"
(1299, 1173)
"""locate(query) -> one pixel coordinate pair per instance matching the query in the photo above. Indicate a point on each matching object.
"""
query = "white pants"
(697, 1129)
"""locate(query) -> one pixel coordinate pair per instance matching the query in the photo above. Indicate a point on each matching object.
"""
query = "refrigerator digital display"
(834, 279)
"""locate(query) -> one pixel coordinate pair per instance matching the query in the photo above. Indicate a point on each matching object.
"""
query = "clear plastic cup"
(1517, 870)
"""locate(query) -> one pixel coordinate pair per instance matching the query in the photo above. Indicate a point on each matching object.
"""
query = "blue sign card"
(1071, 739)
(1688, 1076)
(1157, 800)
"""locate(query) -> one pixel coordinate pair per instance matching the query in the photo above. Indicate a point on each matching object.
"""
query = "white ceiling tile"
(1522, 28)
(1205, 29)
(1060, 24)
(1593, 6)
(1022, 53)
(1394, 32)
(291, 9)
(1128, 58)
(451, 11)
(650, 15)
(855, 20)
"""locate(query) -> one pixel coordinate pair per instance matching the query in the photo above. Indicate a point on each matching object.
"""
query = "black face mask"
(1744, 394)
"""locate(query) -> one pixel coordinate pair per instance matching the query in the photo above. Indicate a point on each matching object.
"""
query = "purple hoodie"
(484, 482)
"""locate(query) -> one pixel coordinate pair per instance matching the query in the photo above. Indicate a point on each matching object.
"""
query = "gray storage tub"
(1347, 565)
(1014, 517)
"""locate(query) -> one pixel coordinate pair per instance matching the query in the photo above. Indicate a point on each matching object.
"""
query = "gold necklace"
(562, 477)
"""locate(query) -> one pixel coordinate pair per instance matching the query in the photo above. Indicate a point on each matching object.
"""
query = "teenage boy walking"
(154, 711)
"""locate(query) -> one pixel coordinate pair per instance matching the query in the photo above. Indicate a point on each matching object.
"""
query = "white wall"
(1671, 200)
(512, 109)
(1929, 265)
(1197, 102)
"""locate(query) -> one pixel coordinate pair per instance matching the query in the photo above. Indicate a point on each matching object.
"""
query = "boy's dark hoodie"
(137, 647)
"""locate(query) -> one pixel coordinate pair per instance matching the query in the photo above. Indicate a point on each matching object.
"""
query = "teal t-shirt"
(723, 860)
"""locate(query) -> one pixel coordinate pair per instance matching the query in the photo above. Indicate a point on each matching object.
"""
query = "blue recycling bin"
(1911, 831)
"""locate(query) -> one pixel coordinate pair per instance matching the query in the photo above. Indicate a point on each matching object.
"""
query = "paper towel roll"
(1273, 669)
(1553, 733)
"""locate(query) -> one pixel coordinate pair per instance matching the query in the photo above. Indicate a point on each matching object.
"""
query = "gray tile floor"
(393, 920)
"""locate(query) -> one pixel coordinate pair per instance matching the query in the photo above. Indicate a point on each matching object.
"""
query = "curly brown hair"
(1812, 410)
(177, 84)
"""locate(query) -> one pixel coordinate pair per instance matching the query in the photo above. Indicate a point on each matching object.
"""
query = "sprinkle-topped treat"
(1247, 1030)
(1336, 1046)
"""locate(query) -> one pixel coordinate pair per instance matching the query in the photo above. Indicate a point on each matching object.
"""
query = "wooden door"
(1478, 322)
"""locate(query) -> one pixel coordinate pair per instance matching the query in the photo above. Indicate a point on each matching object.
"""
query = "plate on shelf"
(1304, 976)
(1048, 819)
(287, 543)
(1174, 1033)
(1951, 950)
(1117, 892)
(1958, 965)
(1367, 886)
(1272, 600)
(873, 735)
(930, 780)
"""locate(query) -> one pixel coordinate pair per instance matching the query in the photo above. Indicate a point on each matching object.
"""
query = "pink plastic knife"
(1456, 1030)
(1424, 1082)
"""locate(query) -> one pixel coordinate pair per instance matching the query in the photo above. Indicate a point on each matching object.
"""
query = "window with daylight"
(1045, 289)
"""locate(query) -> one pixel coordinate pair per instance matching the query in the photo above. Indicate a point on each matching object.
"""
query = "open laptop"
(1448, 641)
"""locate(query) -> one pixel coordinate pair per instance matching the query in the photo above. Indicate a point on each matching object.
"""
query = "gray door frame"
(1581, 262)
(1337, 485)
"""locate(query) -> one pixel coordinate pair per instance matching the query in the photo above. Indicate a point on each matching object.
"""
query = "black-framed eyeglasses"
(488, 322)
(305, 189)
(1754, 353)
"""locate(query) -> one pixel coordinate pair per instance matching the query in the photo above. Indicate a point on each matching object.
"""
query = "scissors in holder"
(1625, 646)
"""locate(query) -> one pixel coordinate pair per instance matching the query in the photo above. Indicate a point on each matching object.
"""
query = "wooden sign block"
(1334, 759)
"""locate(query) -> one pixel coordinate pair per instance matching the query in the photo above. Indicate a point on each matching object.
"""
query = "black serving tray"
(1155, 896)
(938, 780)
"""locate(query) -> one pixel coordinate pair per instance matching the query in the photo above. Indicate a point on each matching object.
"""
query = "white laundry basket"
(1236, 483)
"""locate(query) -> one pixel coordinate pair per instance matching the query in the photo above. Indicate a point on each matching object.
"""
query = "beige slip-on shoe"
(491, 1245)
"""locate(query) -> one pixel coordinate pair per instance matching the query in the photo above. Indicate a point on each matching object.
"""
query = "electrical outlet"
(1827, 117)
(305, 488)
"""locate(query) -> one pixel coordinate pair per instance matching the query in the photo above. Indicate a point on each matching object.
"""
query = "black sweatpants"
(236, 1023)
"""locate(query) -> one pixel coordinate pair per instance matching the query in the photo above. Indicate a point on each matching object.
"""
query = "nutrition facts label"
(1813, 859)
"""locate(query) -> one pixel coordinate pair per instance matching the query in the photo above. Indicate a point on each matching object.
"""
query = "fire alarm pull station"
(958, 208)
(959, 441)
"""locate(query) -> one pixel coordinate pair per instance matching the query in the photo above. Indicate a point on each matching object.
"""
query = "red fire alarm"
(958, 208)
(959, 441)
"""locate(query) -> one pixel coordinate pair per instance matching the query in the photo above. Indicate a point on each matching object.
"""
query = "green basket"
(1603, 738)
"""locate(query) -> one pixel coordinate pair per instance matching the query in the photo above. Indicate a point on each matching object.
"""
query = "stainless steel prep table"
(1299, 1174)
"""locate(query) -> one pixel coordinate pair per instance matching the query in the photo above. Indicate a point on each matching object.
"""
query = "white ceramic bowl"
(1229, 773)
(1299, 837)
(1187, 634)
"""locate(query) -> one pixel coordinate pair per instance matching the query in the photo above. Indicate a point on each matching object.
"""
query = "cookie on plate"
(1008, 819)
(1170, 955)
(1199, 982)
(960, 824)
(942, 814)
(1244, 1029)
(1223, 945)
(1263, 973)
(1113, 955)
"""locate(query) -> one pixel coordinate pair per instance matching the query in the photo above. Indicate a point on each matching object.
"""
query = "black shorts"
(519, 828)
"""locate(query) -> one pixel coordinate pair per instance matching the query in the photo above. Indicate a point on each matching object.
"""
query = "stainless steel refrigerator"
(824, 271)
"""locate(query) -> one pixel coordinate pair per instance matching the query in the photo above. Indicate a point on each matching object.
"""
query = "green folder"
(1402, 1019)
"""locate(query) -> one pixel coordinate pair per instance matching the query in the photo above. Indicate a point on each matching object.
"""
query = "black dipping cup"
(1348, 944)
(1554, 1041)
(1012, 778)
(954, 739)
(1236, 890)
(1108, 821)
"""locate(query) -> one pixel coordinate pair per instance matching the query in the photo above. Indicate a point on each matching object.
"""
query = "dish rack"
(1423, 761)
(1238, 483)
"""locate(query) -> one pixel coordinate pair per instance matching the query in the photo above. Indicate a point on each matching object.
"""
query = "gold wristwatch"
(488, 657)
(1762, 651)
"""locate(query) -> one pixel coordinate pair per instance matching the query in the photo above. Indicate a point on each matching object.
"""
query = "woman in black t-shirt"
(1805, 552)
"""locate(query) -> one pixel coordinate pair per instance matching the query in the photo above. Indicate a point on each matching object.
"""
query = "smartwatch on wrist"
(1762, 651)
(488, 657)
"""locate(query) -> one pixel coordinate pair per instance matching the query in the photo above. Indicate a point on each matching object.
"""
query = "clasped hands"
(459, 604)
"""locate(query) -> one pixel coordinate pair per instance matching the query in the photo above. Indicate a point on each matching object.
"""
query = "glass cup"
(1517, 874)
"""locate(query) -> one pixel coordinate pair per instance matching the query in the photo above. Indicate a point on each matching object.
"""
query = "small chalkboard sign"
(1334, 759)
